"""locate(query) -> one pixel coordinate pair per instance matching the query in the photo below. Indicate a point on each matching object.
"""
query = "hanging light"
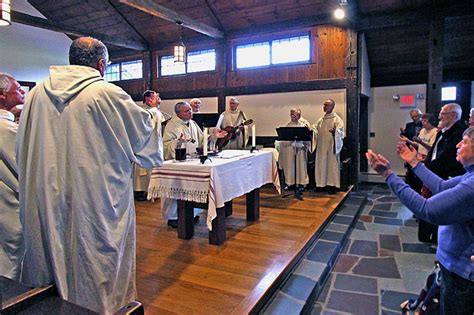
(5, 18)
(179, 48)
(340, 13)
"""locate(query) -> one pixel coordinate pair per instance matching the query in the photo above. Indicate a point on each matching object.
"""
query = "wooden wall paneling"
(322, 50)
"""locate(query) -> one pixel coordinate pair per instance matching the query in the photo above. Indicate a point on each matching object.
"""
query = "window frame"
(270, 39)
(161, 56)
(120, 70)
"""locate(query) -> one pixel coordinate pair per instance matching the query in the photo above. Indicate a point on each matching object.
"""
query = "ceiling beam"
(155, 9)
(22, 18)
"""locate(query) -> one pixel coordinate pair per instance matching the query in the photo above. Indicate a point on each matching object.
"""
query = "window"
(124, 71)
(204, 60)
(278, 51)
(253, 55)
(292, 49)
(169, 67)
(448, 93)
(197, 61)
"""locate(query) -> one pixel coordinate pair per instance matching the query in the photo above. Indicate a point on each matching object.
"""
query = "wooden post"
(217, 235)
(435, 63)
(253, 205)
(185, 219)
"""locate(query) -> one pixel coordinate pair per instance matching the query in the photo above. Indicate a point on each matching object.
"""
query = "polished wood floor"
(177, 276)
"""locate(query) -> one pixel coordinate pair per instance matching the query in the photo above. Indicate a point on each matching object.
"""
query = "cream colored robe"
(77, 140)
(10, 227)
(233, 119)
(286, 157)
(141, 175)
(173, 130)
(328, 148)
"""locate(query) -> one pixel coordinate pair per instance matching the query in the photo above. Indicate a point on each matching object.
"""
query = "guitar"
(231, 134)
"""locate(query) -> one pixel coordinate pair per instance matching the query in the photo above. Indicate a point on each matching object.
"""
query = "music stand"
(294, 134)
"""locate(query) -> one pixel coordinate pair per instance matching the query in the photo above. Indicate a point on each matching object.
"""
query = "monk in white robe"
(11, 95)
(141, 175)
(234, 117)
(77, 139)
(184, 132)
(286, 157)
(330, 133)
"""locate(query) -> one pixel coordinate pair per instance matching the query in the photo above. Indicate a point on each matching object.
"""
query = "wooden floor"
(177, 276)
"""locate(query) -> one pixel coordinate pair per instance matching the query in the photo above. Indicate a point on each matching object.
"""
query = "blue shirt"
(452, 208)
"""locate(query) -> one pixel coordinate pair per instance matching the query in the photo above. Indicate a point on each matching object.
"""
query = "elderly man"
(451, 208)
(234, 117)
(77, 139)
(195, 105)
(329, 133)
(11, 95)
(412, 128)
(141, 176)
(471, 118)
(441, 159)
(286, 157)
(182, 131)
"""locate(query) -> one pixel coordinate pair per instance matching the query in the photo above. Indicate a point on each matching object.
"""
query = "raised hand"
(407, 154)
(379, 163)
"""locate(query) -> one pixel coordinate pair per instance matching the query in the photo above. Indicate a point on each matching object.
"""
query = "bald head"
(90, 52)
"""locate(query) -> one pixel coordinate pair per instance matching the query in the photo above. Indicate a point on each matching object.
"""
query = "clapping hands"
(379, 163)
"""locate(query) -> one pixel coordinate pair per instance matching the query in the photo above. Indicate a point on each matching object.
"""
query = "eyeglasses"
(445, 113)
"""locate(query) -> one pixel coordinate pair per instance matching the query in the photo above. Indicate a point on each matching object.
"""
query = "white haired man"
(11, 95)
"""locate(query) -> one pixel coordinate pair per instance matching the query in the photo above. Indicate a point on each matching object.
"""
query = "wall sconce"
(5, 18)
(179, 48)
(396, 97)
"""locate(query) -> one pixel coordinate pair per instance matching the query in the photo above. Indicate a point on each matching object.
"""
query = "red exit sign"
(407, 101)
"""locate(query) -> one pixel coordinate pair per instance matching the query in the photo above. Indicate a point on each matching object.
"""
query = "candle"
(253, 137)
(204, 143)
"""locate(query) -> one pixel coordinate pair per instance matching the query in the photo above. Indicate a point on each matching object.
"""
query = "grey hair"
(295, 109)
(455, 108)
(235, 99)
(470, 133)
(416, 110)
(86, 51)
(6, 81)
(195, 100)
(177, 107)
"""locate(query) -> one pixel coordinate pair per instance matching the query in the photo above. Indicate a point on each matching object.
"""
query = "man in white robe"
(183, 132)
(141, 175)
(11, 95)
(286, 157)
(77, 139)
(329, 134)
(234, 117)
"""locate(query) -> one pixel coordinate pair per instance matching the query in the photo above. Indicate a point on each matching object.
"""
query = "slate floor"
(382, 263)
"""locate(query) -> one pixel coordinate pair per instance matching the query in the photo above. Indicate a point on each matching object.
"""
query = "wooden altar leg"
(228, 208)
(217, 235)
(253, 205)
(185, 219)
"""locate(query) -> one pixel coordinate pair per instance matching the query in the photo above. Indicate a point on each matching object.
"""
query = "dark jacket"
(445, 165)
(412, 129)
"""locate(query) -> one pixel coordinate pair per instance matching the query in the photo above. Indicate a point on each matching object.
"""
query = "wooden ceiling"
(397, 31)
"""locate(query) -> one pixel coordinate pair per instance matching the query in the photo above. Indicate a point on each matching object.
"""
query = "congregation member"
(286, 157)
(182, 132)
(426, 137)
(412, 128)
(77, 139)
(441, 159)
(450, 207)
(11, 95)
(195, 105)
(329, 140)
(141, 176)
(234, 118)
(471, 118)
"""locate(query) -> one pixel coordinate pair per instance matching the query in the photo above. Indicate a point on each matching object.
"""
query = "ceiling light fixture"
(179, 48)
(339, 13)
(5, 18)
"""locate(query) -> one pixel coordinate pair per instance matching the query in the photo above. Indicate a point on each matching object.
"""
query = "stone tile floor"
(382, 263)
